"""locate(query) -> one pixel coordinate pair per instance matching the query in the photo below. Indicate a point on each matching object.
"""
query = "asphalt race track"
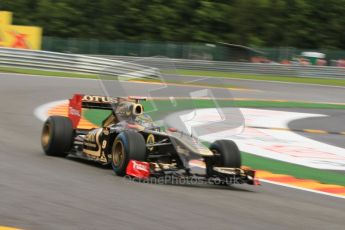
(40, 192)
(274, 90)
(334, 122)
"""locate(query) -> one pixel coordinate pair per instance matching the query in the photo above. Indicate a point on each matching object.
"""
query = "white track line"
(42, 76)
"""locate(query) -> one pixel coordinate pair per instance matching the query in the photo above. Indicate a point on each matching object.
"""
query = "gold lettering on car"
(150, 141)
(103, 158)
(92, 140)
(104, 144)
(99, 99)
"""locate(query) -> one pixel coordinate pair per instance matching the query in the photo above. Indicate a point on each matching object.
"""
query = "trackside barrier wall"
(274, 69)
(125, 65)
(43, 60)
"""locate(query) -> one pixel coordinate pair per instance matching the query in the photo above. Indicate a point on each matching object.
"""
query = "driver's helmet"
(144, 120)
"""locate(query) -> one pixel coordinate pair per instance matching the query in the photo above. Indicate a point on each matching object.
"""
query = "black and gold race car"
(131, 142)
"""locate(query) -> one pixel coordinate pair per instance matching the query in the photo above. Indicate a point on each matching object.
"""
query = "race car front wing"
(221, 175)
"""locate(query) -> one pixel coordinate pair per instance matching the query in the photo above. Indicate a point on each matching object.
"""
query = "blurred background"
(262, 31)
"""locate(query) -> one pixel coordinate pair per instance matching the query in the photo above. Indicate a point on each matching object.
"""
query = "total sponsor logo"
(19, 40)
(140, 166)
(138, 169)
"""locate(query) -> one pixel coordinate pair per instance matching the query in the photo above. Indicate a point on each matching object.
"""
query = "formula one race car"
(130, 141)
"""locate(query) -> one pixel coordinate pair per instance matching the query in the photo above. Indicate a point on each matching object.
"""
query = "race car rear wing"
(99, 102)
(81, 101)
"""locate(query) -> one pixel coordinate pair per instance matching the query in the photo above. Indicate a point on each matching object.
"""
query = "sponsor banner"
(5, 18)
(21, 37)
(2, 36)
(281, 145)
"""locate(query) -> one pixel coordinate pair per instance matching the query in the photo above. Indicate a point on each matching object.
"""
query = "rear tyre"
(128, 145)
(57, 136)
(226, 154)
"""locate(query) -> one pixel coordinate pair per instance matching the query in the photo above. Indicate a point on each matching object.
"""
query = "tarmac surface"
(40, 192)
(273, 90)
(333, 122)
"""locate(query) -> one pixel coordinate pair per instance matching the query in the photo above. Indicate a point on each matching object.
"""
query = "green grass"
(321, 81)
(165, 107)
(47, 73)
(95, 76)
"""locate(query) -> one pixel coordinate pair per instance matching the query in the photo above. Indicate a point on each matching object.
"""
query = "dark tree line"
(297, 23)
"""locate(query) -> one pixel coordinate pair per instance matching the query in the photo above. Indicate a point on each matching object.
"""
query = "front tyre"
(128, 145)
(57, 136)
(226, 154)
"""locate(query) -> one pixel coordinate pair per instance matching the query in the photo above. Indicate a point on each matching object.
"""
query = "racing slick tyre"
(128, 145)
(57, 136)
(226, 154)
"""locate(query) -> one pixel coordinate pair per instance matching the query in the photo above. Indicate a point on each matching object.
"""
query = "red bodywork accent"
(172, 129)
(75, 109)
(255, 179)
(131, 126)
(138, 169)
(252, 174)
